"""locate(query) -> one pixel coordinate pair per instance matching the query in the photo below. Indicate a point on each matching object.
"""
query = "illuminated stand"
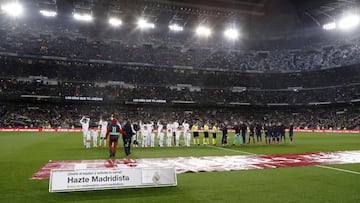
(111, 178)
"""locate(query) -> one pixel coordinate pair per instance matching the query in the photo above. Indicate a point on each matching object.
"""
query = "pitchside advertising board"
(112, 178)
(230, 130)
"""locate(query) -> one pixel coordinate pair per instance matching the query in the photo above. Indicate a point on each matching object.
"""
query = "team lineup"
(147, 134)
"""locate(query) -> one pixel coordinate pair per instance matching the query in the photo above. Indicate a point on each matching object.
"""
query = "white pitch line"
(338, 169)
(231, 150)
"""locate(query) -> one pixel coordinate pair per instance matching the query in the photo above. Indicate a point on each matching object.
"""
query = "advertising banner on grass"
(114, 178)
(155, 130)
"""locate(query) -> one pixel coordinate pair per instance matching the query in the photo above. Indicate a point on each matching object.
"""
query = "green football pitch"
(23, 154)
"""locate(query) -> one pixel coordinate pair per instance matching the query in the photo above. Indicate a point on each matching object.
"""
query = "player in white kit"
(85, 128)
(95, 135)
(103, 125)
(177, 131)
(150, 134)
(169, 134)
(88, 139)
(187, 135)
(160, 134)
(143, 130)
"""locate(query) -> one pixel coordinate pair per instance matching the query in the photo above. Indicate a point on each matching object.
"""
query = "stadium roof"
(321, 11)
(303, 12)
(252, 16)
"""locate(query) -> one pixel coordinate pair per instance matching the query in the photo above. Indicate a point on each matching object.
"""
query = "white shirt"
(103, 124)
(149, 127)
(175, 126)
(168, 128)
(142, 128)
(85, 125)
(94, 133)
(186, 127)
(160, 127)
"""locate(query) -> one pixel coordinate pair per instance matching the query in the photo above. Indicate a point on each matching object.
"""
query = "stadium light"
(83, 17)
(176, 28)
(13, 9)
(116, 22)
(143, 24)
(349, 22)
(48, 13)
(329, 26)
(203, 31)
(231, 33)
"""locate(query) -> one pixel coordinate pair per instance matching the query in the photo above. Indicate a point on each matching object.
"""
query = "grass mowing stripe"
(22, 154)
(231, 150)
(338, 169)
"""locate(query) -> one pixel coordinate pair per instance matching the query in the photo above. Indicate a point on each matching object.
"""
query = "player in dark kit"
(282, 129)
(135, 140)
(114, 131)
(243, 132)
(237, 133)
(277, 133)
(252, 133)
(291, 133)
(128, 132)
(224, 134)
(258, 129)
(266, 132)
(273, 133)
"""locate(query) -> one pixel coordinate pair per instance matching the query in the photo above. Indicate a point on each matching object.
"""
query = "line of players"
(92, 134)
(274, 133)
(172, 130)
(171, 134)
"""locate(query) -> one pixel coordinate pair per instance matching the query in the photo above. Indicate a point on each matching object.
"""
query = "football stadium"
(180, 101)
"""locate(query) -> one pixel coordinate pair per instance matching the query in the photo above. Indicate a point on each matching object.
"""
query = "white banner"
(155, 130)
(114, 178)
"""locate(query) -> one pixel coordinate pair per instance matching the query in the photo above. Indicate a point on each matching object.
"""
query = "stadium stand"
(55, 71)
(309, 100)
(36, 40)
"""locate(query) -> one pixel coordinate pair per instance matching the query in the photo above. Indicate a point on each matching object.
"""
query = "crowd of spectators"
(337, 85)
(64, 71)
(118, 93)
(40, 115)
(65, 114)
(71, 43)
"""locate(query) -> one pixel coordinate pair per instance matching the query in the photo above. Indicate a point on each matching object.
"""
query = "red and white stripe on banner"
(79, 130)
(210, 163)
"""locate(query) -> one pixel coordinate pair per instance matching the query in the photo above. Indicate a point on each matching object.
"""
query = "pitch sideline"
(215, 163)
(338, 169)
(320, 166)
(231, 150)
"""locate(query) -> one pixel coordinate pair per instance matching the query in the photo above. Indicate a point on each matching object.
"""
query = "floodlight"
(143, 24)
(349, 22)
(176, 27)
(48, 13)
(231, 33)
(116, 22)
(82, 17)
(13, 9)
(203, 31)
(329, 26)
